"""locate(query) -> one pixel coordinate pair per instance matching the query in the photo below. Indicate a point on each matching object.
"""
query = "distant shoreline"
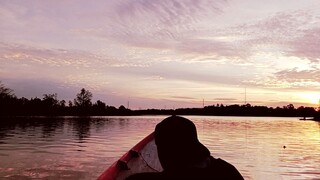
(82, 105)
(308, 118)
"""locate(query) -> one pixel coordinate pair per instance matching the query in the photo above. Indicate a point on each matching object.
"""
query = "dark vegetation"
(82, 105)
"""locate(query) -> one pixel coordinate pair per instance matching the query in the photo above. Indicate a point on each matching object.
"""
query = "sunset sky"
(163, 53)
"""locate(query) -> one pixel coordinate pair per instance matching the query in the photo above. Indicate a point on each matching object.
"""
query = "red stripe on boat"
(114, 169)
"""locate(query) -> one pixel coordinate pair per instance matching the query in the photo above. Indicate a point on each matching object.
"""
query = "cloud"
(69, 67)
(78, 59)
(290, 80)
(153, 78)
(161, 24)
(296, 33)
(183, 98)
(217, 49)
(225, 99)
(295, 75)
(24, 54)
(167, 14)
(288, 33)
(308, 45)
(291, 33)
(185, 27)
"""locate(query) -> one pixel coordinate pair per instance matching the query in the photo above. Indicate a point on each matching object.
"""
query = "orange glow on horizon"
(312, 98)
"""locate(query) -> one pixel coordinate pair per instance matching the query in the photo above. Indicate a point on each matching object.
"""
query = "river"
(82, 148)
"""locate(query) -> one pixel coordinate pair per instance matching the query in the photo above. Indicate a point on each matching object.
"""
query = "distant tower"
(128, 103)
(203, 103)
(245, 96)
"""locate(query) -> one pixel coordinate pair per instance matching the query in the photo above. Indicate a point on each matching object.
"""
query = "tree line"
(82, 105)
(49, 105)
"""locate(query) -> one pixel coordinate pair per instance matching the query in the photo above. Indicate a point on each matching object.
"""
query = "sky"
(163, 54)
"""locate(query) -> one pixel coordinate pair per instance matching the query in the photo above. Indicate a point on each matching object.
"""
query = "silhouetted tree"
(7, 100)
(70, 104)
(99, 108)
(50, 104)
(83, 98)
(5, 92)
(50, 100)
(111, 110)
(62, 103)
(122, 108)
(305, 111)
(100, 104)
(289, 106)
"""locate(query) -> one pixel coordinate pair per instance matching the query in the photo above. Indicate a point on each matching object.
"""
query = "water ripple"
(81, 148)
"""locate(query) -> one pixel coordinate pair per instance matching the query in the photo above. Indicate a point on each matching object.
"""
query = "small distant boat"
(307, 118)
(315, 118)
(143, 157)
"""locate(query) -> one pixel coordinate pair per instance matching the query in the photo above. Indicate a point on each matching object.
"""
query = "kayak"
(143, 157)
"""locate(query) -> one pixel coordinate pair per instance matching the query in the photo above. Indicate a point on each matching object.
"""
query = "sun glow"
(312, 98)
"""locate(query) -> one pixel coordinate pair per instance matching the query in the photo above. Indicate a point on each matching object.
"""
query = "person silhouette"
(182, 156)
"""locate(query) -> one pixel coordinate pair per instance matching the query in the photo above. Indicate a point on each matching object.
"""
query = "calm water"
(81, 148)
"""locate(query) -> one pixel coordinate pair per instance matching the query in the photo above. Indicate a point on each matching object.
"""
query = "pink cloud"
(214, 48)
(307, 46)
(290, 80)
(167, 12)
(38, 56)
(291, 33)
(160, 24)
(295, 75)
(294, 33)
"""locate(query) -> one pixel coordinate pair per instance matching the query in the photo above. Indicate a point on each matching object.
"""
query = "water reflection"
(81, 128)
(50, 147)
(51, 126)
(46, 126)
(82, 147)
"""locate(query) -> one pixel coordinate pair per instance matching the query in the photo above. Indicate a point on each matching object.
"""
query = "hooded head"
(177, 143)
